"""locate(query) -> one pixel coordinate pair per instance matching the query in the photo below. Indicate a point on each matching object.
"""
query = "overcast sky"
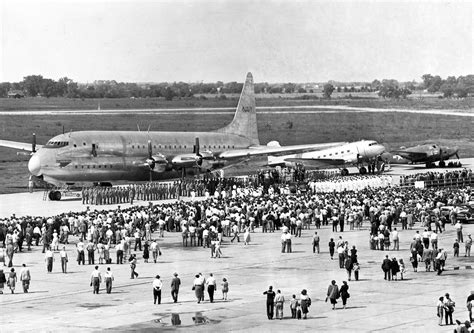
(279, 41)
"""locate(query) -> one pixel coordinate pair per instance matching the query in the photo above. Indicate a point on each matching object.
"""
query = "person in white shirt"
(434, 240)
(96, 279)
(109, 277)
(49, 258)
(157, 285)
(25, 278)
(211, 287)
(395, 239)
(64, 259)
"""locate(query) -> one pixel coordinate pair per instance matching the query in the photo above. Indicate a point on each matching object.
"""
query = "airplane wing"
(275, 151)
(317, 162)
(18, 145)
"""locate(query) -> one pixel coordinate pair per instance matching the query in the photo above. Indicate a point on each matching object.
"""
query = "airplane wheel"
(442, 164)
(362, 170)
(344, 172)
(57, 195)
(51, 195)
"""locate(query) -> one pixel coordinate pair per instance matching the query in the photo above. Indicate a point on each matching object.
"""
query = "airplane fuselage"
(350, 153)
(94, 156)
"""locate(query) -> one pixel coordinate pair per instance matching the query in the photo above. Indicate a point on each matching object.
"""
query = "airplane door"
(95, 146)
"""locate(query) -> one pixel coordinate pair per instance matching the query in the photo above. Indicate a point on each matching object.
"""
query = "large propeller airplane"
(427, 153)
(110, 156)
(352, 153)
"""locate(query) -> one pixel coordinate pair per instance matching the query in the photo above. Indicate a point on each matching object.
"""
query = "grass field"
(211, 101)
(393, 129)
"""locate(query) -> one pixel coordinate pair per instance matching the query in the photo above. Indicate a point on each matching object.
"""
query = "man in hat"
(175, 283)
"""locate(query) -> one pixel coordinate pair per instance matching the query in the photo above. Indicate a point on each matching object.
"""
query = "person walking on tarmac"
(270, 301)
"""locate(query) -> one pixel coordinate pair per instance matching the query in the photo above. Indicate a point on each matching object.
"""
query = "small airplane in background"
(352, 153)
(427, 154)
(106, 156)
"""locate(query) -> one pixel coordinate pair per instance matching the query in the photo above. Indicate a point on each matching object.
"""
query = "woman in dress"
(395, 268)
(10, 251)
(344, 293)
(55, 241)
(12, 280)
(198, 288)
(333, 293)
(225, 288)
(279, 301)
(305, 302)
(247, 236)
(146, 252)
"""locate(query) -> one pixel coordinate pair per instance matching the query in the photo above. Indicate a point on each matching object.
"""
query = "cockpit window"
(56, 144)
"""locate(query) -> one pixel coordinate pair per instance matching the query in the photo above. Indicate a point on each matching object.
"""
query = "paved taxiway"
(264, 109)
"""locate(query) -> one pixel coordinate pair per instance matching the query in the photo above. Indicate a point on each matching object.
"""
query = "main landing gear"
(54, 195)
(362, 170)
(344, 172)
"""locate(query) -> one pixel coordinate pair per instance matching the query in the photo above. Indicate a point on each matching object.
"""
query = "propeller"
(150, 161)
(33, 144)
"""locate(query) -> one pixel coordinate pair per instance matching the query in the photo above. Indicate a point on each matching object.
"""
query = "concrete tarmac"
(64, 302)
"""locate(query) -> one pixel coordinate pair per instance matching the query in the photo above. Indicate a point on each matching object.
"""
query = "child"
(225, 288)
(456, 248)
(293, 306)
(356, 271)
(402, 268)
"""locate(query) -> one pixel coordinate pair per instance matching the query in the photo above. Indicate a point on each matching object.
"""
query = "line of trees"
(451, 86)
(37, 85)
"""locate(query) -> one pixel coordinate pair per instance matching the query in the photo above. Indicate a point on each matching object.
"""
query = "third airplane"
(353, 153)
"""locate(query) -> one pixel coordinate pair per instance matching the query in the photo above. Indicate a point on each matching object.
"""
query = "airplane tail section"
(245, 118)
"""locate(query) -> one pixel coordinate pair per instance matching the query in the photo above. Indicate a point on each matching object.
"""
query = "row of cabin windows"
(342, 152)
(183, 147)
(166, 146)
(99, 166)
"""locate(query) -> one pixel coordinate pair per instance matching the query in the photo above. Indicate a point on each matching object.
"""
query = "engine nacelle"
(186, 160)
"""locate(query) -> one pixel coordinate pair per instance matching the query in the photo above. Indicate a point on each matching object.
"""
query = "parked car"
(465, 213)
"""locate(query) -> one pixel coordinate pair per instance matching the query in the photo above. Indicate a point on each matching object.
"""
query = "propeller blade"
(196, 147)
(150, 151)
(33, 143)
(457, 155)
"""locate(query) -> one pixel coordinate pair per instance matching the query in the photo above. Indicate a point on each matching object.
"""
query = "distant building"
(16, 94)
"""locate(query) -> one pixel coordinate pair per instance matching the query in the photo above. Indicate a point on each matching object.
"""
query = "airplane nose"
(34, 165)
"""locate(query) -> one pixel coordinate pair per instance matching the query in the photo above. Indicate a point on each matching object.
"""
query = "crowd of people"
(240, 206)
(446, 176)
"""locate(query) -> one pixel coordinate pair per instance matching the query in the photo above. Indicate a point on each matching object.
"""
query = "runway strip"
(303, 109)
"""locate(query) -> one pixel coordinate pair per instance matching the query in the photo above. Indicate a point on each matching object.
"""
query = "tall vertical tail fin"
(245, 118)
